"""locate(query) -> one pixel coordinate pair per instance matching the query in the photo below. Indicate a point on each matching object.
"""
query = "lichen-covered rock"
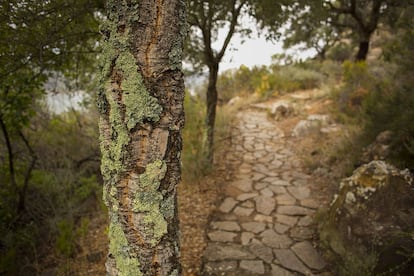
(373, 213)
(312, 124)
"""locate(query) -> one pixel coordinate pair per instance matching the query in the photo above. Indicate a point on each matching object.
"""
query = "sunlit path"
(264, 224)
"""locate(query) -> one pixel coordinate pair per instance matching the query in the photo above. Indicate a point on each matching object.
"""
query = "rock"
(287, 220)
(285, 199)
(265, 205)
(305, 221)
(246, 196)
(243, 212)
(226, 225)
(301, 233)
(281, 228)
(311, 125)
(246, 237)
(371, 205)
(255, 227)
(330, 129)
(272, 239)
(244, 185)
(228, 204)
(263, 218)
(234, 100)
(219, 268)
(222, 236)
(261, 251)
(309, 255)
(294, 210)
(289, 260)
(253, 266)
(281, 110)
(279, 271)
(266, 192)
(299, 192)
(219, 252)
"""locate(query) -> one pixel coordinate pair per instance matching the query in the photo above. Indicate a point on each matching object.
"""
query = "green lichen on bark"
(148, 200)
(175, 55)
(126, 263)
(139, 105)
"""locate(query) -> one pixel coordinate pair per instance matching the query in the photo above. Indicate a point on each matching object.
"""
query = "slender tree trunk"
(141, 106)
(211, 111)
(362, 51)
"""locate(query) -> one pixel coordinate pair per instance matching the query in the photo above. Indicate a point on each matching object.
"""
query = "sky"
(255, 50)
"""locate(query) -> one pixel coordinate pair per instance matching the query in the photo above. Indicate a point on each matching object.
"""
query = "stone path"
(264, 225)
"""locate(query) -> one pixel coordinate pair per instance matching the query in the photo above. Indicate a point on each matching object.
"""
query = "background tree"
(141, 105)
(206, 17)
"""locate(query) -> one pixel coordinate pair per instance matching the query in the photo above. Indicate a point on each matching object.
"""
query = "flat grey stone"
(260, 185)
(281, 228)
(243, 212)
(255, 227)
(299, 175)
(226, 225)
(244, 185)
(300, 182)
(309, 255)
(261, 251)
(220, 252)
(257, 176)
(279, 271)
(288, 220)
(246, 237)
(263, 218)
(272, 239)
(305, 221)
(309, 203)
(266, 192)
(222, 236)
(253, 266)
(246, 196)
(228, 204)
(248, 204)
(278, 189)
(299, 192)
(285, 199)
(289, 260)
(301, 233)
(216, 268)
(294, 210)
(265, 205)
(280, 182)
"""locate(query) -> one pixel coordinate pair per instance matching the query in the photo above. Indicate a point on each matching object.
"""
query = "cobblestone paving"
(264, 224)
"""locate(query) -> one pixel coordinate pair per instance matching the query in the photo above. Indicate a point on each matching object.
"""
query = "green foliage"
(193, 158)
(65, 241)
(64, 184)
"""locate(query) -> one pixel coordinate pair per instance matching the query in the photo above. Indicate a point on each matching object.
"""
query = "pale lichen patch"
(148, 201)
(126, 263)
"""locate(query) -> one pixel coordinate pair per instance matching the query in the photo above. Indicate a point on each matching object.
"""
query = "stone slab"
(228, 204)
(275, 240)
(221, 252)
(294, 210)
(308, 254)
(256, 267)
(226, 225)
(222, 236)
(288, 260)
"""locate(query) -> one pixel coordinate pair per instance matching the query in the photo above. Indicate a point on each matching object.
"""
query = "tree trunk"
(362, 51)
(141, 105)
(211, 112)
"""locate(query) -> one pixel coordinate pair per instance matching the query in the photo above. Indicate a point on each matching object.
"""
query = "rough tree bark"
(141, 106)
